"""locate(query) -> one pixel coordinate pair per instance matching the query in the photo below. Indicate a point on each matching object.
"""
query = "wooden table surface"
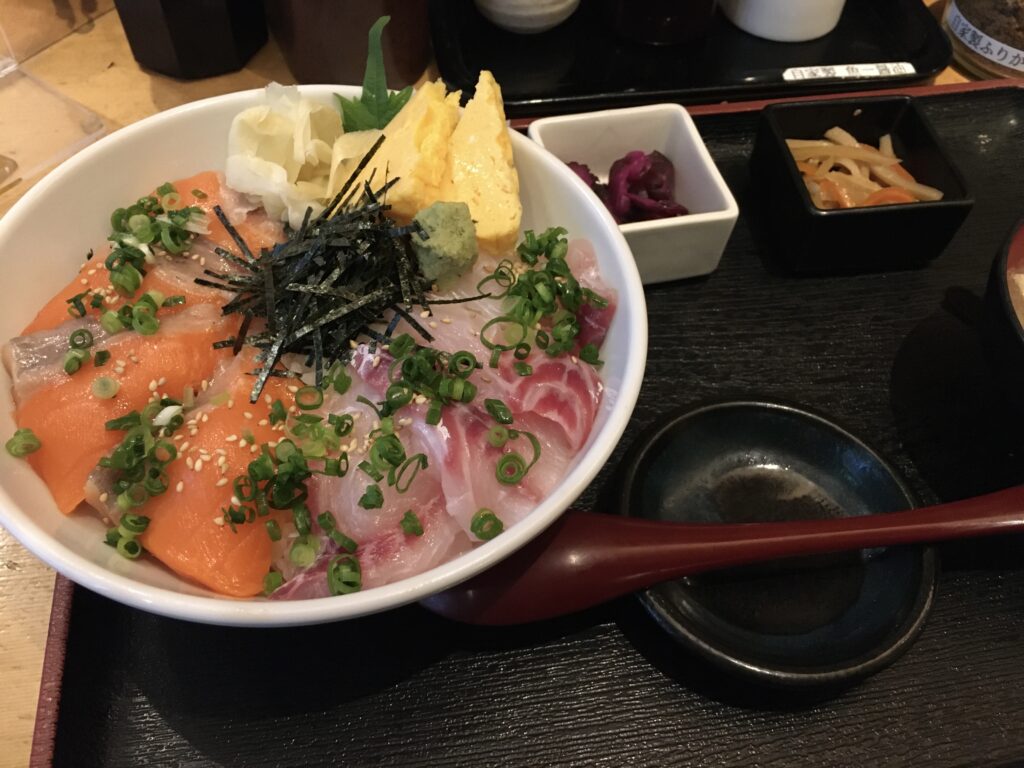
(94, 67)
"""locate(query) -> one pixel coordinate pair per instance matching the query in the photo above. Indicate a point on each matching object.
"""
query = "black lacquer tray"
(584, 64)
(893, 356)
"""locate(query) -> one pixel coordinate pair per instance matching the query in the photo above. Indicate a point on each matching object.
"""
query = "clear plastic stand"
(39, 127)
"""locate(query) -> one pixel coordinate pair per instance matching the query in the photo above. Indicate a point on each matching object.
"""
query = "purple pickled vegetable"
(584, 173)
(640, 187)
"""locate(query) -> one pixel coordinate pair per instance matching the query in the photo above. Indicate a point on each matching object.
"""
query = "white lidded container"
(785, 21)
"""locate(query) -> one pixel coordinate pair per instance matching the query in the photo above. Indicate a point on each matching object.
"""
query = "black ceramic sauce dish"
(810, 240)
(804, 622)
(1003, 334)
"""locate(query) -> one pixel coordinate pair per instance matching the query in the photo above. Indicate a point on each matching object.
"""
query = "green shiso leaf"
(376, 107)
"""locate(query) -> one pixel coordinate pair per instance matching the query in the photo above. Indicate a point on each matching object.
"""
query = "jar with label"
(987, 36)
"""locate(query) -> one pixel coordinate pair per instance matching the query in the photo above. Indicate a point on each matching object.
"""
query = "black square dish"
(812, 240)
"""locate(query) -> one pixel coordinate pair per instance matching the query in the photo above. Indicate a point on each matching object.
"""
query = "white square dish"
(664, 249)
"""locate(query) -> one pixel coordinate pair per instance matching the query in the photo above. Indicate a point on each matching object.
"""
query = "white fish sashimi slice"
(36, 361)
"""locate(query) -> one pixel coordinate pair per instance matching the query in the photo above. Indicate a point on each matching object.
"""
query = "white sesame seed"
(180, 486)
(161, 381)
(235, 500)
(242, 443)
(204, 385)
(425, 313)
(189, 462)
(446, 320)
(184, 446)
(231, 404)
(118, 369)
(230, 438)
(152, 385)
(220, 452)
(122, 363)
(83, 281)
(222, 482)
(574, 359)
(268, 399)
(199, 465)
(91, 272)
(219, 520)
(376, 361)
(207, 418)
(247, 415)
(262, 422)
(486, 379)
(292, 388)
(254, 448)
(195, 257)
(103, 497)
(202, 261)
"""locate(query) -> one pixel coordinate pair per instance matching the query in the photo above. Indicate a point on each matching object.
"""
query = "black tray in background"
(583, 65)
(605, 688)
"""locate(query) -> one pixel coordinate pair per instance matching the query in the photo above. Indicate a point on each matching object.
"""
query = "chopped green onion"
(372, 498)
(273, 530)
(485, 525)
(100, 358)
(503, 323)
(342, 424)
(172, 301)
(522, 351)
(277, 412)
(309, 398)
(199, 194)
(411, 524)
(302, 519)
(165, 189)
(398, 394)
(343, 541)
(74, 358)
(417, 462)
(433, 417)
(144, 321)
(134, 524)
(23, 443)
(273, 580)
(105, 387)
(497, 435)
(125, 422)
(76, 308)
(126, 279)
(590, 354)
(303, 553)
(81, 339)
(462, 364)
(111, 322)
(511, 468)
(523, 369)
(341, 382)
(344, 575)
(129, 548)
(498, 411)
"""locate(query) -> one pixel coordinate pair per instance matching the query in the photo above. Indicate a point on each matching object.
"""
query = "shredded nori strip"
(338, 274)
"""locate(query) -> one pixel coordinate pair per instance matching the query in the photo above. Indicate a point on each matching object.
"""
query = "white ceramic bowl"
(665, 249)
(38, 258)
(784, 21)
(527, 17)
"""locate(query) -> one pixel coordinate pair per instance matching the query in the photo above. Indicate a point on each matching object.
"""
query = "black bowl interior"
(802, 622)
(868, 120)
(810, 240)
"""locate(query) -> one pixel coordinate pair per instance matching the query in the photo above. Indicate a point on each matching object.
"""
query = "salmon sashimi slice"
(186, 531)
(69, 419)
(169, 274)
